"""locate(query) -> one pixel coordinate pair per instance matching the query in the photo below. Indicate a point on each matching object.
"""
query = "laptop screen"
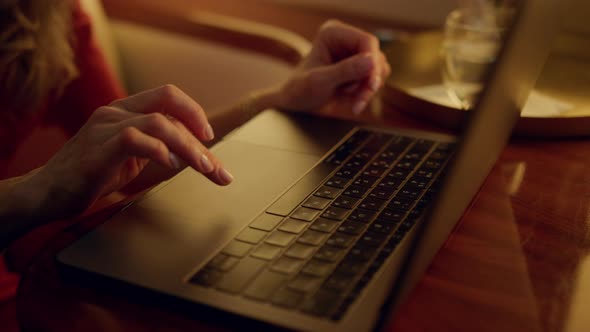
(495, 110)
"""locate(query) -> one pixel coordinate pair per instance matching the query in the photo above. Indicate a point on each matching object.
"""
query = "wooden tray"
(415, 63)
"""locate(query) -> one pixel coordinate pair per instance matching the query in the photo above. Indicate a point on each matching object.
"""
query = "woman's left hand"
(344, 63)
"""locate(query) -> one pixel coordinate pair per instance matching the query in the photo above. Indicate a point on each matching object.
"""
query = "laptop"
(328, 224)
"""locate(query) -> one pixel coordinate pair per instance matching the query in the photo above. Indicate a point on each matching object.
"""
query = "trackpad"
(181, 224)
(196, 212)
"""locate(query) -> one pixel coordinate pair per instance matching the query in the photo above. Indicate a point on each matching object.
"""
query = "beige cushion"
(216, 75)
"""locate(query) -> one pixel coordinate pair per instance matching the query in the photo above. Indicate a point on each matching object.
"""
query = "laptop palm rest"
(182, 223)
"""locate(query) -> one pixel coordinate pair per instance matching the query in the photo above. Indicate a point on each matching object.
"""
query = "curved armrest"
(250, 36)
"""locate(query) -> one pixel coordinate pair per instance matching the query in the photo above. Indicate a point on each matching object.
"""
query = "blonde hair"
(36, 55)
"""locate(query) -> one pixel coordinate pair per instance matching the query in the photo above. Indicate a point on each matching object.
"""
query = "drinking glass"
(472, 39)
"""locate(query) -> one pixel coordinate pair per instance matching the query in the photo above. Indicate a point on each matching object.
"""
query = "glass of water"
(472, 40)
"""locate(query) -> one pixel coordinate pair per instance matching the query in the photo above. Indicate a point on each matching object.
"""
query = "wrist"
(20, 202)
(28, 194)
(268, 98)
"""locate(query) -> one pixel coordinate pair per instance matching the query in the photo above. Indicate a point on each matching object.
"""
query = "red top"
(36, 138)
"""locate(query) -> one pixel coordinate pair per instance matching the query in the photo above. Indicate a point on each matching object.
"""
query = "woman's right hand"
(162, 125)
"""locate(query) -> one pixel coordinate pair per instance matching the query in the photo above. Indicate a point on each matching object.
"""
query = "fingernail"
(174, 160)
(225, 176)
(209, 135)
(206, 164)
(358, 107)
(375, 83)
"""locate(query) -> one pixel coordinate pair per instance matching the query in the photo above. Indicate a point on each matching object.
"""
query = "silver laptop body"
(163, 242)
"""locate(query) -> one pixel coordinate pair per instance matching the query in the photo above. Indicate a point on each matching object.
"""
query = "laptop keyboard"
(318, 246)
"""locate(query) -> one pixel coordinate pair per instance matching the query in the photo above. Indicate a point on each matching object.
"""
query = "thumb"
(351, 69)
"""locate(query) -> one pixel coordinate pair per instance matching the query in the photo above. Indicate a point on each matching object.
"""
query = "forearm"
(226, 121)
(20, 202)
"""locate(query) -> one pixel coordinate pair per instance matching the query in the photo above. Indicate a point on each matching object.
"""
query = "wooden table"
(517, 260)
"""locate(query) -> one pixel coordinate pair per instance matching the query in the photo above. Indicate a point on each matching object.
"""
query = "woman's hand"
(162, 125)
(345, 62)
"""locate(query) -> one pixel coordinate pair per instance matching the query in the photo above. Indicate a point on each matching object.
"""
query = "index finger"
(170, 100)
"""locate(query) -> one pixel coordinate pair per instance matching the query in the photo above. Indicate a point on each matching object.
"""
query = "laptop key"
(266, 222)
(355, 191)
(286, 298)
(405, 165)
(300, 251)
(362, 215)
(374, 171)
(350, 267)
(324, 225)
(418, 182)
(361, 253)
(293, 226)
(338, 283)
(206, 277)
(296, 194)
(287, 265)
(370, 203)
(423, 145)
(352, 227)
(329, 254)
(318, 203)
(389, 182)
(398, 173)
(251, 235)
(223, 262)
(364, 154)
(337, 182)
(425, 173)
(237, 248)
(321, 304)
(377, 141)
(432, 165)
(381, 193)
(345, 202)
(382, 163)
(410, 192)
(235, 280)
(347, 172)
(399, 144)
(317, 268)
(335, 213)
(264, 285)
(413, 155)
(391, 216)
(312, 237)
(266, 251)
(281, 239)
(305, 284)
(305, 214)
(328, 192)
(382, 227)
(370, 239)
(400, 203)
(366, 180)
(341, 240)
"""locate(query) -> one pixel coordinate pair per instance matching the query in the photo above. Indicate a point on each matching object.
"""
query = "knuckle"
(159, 148)
(157, 121)
(128, 136)
(329, 24)
(169, 91)
(103, 111)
